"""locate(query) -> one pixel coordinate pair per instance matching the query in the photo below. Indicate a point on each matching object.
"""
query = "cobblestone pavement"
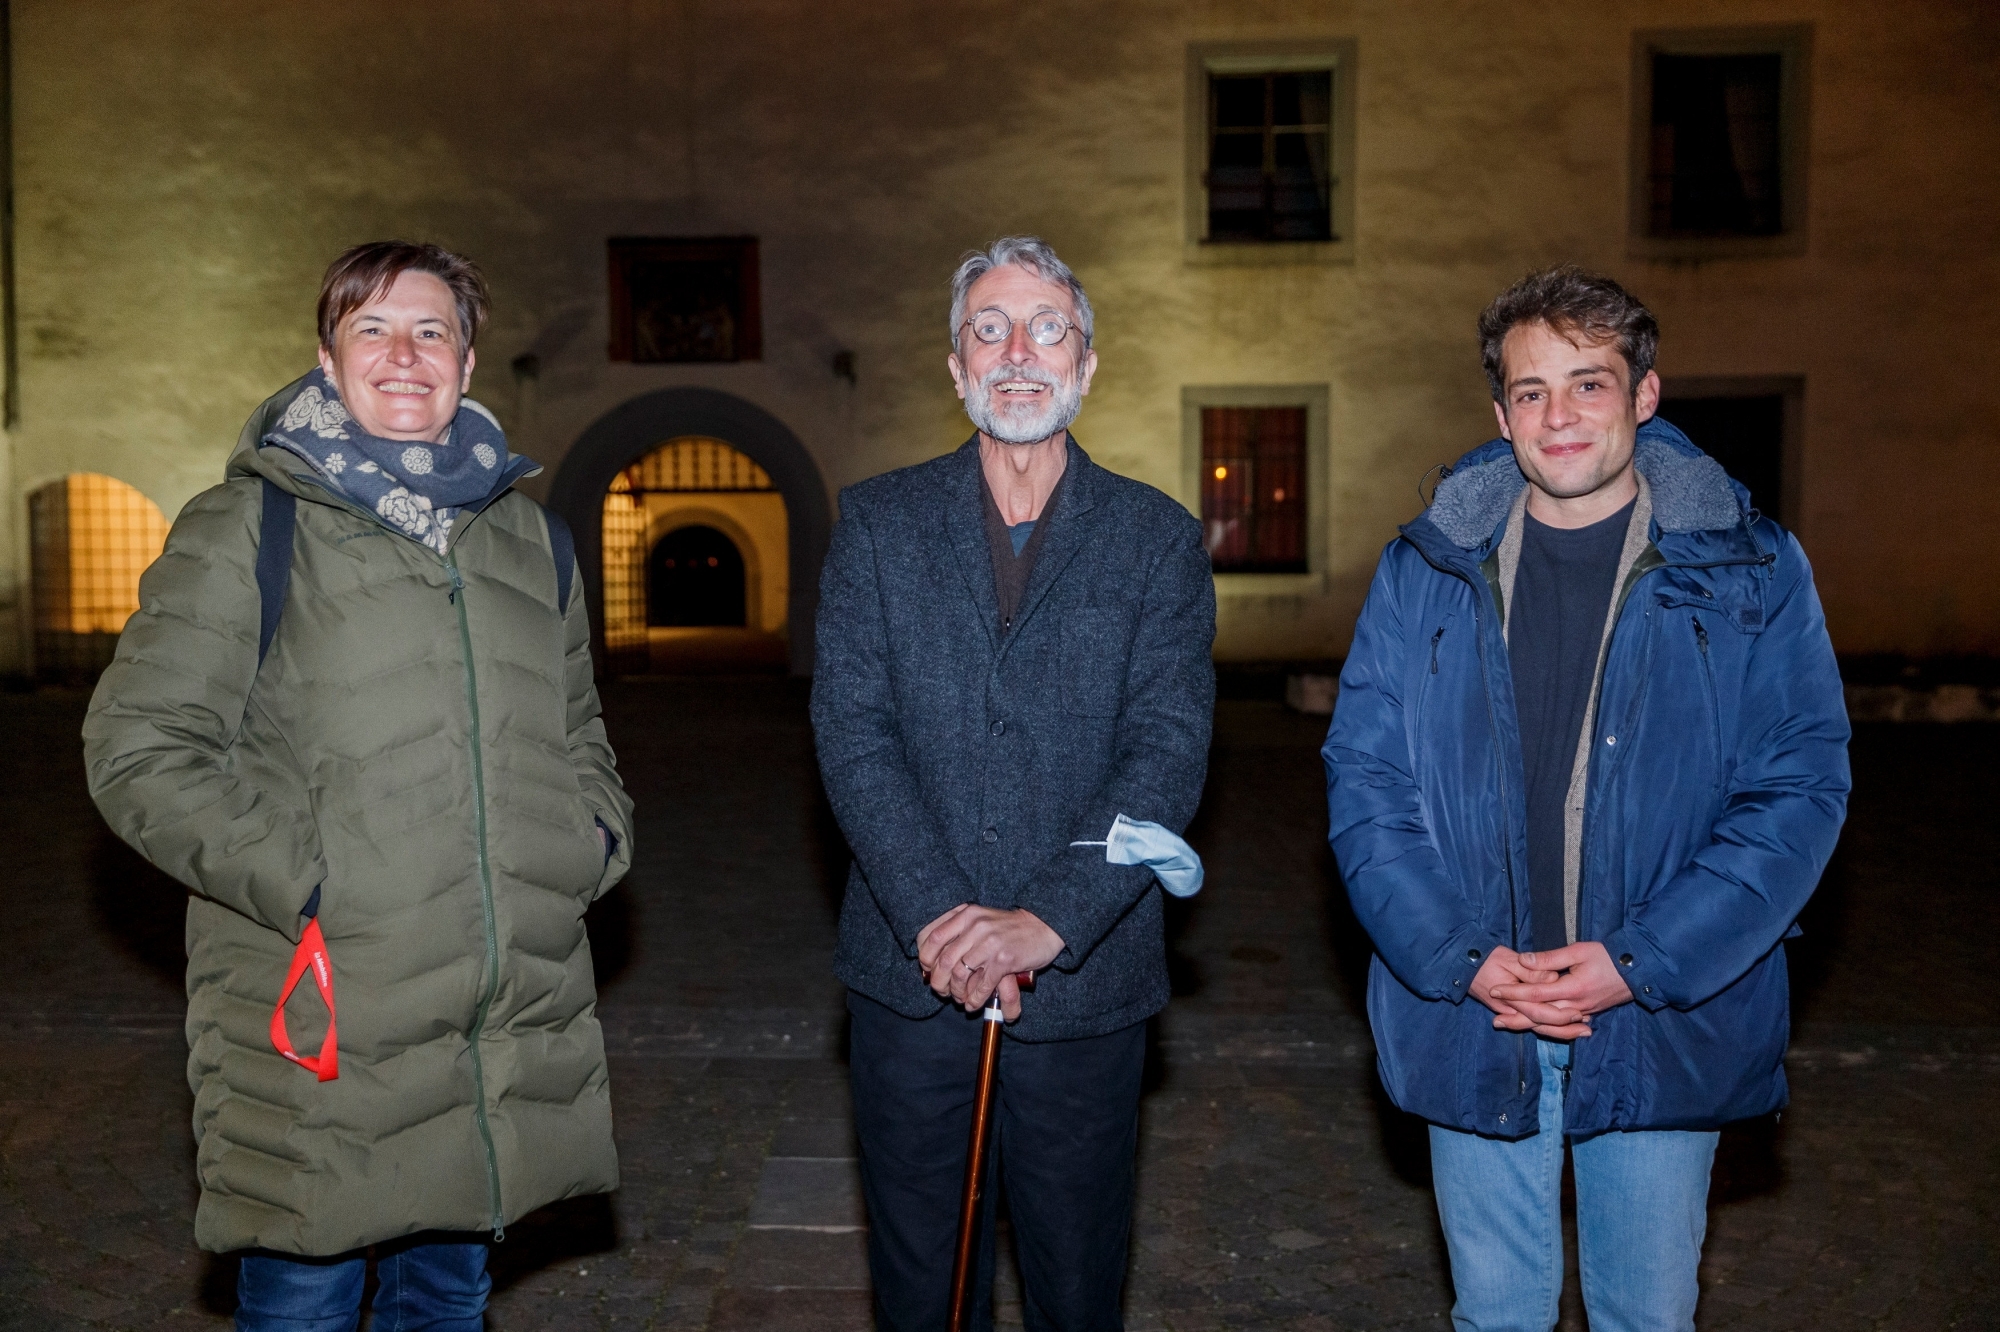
(1276, 1189)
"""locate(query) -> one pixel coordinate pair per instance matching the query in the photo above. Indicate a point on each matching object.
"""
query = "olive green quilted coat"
(422, 742)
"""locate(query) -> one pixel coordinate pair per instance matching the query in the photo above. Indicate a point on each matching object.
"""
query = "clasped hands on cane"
(971, 952)
(1553, 994)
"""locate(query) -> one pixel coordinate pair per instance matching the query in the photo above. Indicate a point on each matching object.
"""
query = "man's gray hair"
(1029, 252)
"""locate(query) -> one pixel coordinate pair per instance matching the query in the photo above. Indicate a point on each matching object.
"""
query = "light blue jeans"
(1641, 1212)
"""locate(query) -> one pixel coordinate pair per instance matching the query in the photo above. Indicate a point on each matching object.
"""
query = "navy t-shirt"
(1562, 592)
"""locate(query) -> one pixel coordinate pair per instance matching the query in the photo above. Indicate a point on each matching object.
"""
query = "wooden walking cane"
(975, 1158)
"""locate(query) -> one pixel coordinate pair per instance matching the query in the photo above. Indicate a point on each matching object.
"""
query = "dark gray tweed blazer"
(961, 764)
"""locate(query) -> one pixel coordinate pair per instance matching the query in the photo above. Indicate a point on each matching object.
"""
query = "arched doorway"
(694, 580)
(587, 481)
(90, 537)
(695, 548)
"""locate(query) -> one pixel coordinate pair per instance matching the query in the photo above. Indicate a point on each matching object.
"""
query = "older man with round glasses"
(1013, 651)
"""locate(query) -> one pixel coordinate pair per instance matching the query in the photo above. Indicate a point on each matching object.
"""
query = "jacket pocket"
(1431, 672)
(1702, 647)
(1096, 642)
(596, 848)
(1429, 667)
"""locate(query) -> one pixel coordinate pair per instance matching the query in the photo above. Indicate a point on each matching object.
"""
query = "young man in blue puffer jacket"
(1589, 759)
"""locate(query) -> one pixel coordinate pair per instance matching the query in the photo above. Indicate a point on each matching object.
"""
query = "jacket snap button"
(999, 728)
(1472, 954)
(990, 835)
(1610, 739)
(1625, 959)
(1645, 989)
(1503, 1116)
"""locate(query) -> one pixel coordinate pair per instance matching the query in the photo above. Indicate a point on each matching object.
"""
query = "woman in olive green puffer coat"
(421, 747)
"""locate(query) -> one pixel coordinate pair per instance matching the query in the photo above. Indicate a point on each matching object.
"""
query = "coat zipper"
(1649, 561)
(492, 981)
(1499, 774)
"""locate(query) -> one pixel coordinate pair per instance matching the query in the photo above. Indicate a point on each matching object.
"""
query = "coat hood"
(1690, 491)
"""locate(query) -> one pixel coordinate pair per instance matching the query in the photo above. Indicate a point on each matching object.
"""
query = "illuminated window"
(638, 502)
(91, 537)
(1253, 488)
(624, 577)
(694, 463)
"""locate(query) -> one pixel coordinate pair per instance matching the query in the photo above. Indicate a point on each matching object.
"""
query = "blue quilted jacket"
(1718, 781)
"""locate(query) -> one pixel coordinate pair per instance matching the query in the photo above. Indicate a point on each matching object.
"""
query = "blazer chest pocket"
(1095, 645)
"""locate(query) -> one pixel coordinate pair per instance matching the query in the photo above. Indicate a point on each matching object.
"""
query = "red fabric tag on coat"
(311, 956)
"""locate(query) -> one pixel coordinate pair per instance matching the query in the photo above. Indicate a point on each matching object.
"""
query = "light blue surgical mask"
(1137, 842)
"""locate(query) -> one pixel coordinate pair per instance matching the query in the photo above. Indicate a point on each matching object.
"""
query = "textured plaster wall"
(185, 171)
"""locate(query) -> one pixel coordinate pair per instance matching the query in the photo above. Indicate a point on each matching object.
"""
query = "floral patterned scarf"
(416, 488)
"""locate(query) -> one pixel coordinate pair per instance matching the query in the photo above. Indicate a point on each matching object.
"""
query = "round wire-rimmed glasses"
(1045, 327)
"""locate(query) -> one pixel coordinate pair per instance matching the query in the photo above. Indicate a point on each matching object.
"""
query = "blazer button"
(990, 835)
(998, 728)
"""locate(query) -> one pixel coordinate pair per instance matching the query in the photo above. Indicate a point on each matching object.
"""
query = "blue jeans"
(1641, 1212)
(435, 1287)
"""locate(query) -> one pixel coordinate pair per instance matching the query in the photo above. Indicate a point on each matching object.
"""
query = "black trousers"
(1066, 1130)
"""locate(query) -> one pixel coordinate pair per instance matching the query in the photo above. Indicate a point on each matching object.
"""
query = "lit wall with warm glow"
(184, 172)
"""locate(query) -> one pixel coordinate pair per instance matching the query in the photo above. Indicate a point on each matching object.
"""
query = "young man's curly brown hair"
(1581, 306)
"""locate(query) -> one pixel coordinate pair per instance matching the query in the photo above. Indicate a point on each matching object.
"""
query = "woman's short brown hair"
(365, 272)
(1577, 305)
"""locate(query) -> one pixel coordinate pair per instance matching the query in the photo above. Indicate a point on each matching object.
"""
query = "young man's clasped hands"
(1553, 994)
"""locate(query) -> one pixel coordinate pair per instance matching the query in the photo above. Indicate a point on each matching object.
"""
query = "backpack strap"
(562, 545)
(274, 561)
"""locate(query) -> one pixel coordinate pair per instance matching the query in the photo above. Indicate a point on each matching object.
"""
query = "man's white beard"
(1027, 420)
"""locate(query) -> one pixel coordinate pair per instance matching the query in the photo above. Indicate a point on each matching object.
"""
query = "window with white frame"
(1270, 151)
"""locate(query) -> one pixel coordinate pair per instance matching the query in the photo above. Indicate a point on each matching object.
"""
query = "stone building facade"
(182, 173)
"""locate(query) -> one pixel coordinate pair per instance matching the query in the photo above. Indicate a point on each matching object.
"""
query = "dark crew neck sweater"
(1562, 592)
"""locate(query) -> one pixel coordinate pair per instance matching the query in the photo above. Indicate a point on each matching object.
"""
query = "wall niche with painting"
(679, 300)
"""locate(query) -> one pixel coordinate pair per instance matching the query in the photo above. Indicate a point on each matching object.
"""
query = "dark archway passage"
(626, 433)
(695, 578)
